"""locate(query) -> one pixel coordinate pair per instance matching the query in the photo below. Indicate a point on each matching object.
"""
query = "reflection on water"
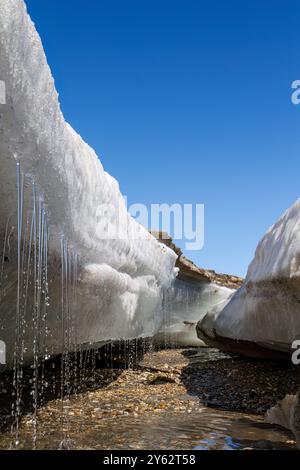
(204, 429)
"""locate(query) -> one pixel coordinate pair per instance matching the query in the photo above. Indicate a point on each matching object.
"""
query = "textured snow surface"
(73, 183)
(65, 168)
(278, 253)
(266, 309)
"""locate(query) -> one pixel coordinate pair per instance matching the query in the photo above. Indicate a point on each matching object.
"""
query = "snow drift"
(264, 314)
(62, 182)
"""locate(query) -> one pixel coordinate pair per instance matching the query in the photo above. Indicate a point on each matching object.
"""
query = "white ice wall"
(266, 309)
(278, 253)
(184, 304)
(71, 178)
(66, 169)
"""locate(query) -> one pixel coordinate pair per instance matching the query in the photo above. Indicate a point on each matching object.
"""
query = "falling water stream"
(25, 245)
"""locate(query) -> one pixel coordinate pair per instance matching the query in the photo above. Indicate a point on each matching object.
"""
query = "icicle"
(16, 410)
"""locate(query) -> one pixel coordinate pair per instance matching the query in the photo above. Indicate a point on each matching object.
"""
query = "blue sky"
(186, 102)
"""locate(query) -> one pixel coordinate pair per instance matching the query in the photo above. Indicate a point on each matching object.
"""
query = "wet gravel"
(240, 384)
(175, 398)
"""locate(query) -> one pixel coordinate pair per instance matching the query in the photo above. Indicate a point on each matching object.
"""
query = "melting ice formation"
(61, 283)
(54, 260)
(183, 304)
(264, 314)
(63, 286)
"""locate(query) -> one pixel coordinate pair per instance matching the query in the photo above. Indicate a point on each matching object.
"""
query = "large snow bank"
(122, 277)
(266, 309)
(278, 253)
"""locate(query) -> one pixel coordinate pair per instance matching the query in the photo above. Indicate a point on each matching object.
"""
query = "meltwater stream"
(125, 399)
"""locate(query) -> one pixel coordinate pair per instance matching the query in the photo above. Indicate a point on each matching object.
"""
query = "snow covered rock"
(263, 317)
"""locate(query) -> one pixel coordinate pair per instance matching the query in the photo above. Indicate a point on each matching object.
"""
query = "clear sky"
(188, 102)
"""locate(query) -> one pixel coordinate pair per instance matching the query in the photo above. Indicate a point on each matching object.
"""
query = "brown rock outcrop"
(188, 271)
